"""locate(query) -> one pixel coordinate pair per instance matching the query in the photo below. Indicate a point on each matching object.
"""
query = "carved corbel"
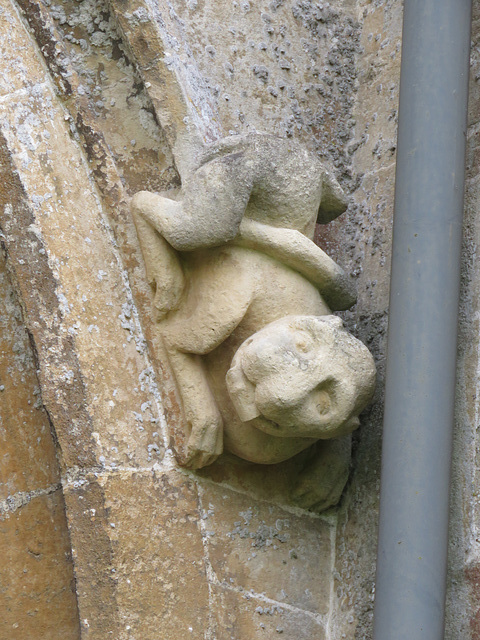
(244, 300)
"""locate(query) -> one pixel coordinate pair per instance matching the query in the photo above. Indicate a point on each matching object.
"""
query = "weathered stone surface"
(293, 69)
(174, 84)
(53, 226)
(109, 107)
(114, 121)
(283, 68)
(472, 576)
(258, 546)
(139, 556)
(267, 482)
(242, 615)
(36, 571)
(28, 458)
(93, 559)
(14, 64)
(463, 619)
(37, 588)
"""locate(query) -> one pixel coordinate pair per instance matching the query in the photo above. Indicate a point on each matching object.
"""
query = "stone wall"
(105, 535)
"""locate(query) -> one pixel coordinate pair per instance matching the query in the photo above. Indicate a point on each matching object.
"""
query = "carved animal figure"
(231, 255)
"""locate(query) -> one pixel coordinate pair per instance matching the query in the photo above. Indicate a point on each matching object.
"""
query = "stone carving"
(299, 377)
(244, 297)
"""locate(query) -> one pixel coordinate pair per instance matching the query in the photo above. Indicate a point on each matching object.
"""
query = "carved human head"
(305, 375)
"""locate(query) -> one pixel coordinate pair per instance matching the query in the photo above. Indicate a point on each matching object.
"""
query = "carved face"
(302, 376)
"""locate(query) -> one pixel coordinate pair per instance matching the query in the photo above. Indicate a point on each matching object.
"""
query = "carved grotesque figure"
(301, 377)
(240, 289)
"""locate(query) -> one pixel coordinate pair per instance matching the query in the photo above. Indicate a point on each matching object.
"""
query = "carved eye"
(303, 341)
(323, 401)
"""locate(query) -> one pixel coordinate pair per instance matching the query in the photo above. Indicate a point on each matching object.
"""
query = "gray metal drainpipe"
(421, 353)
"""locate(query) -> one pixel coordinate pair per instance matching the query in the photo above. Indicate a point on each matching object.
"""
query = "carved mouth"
(273, 428)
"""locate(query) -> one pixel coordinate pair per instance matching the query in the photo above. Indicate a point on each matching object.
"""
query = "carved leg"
(320, 485)
(209, 314)
(214, 200)
(298, 252)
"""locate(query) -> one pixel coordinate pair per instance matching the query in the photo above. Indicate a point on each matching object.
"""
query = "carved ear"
(334, 201)
(242, 393)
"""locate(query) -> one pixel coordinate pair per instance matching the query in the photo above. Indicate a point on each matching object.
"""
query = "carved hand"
(205, 443)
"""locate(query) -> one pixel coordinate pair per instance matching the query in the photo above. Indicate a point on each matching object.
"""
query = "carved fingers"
(203, 420)
(162, 265)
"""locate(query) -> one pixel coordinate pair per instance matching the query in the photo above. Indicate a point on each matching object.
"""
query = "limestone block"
(36, 572)
(272, 483)
(28, 458)
(92, 557)
(37, 589)
(240, 615)
(259, 547)
(144, 572)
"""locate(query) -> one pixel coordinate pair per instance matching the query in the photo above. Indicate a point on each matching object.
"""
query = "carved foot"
(167, 293)
(320, 485)
(205, 443)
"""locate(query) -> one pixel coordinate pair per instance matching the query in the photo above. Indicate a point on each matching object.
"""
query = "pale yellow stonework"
(102, 533)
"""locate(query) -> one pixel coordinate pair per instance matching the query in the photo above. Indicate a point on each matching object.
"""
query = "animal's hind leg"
(208, 316)
(162, 263)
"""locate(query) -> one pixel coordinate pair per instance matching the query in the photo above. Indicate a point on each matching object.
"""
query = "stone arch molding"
(243, 304)
(244, 297)
(257, 198)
